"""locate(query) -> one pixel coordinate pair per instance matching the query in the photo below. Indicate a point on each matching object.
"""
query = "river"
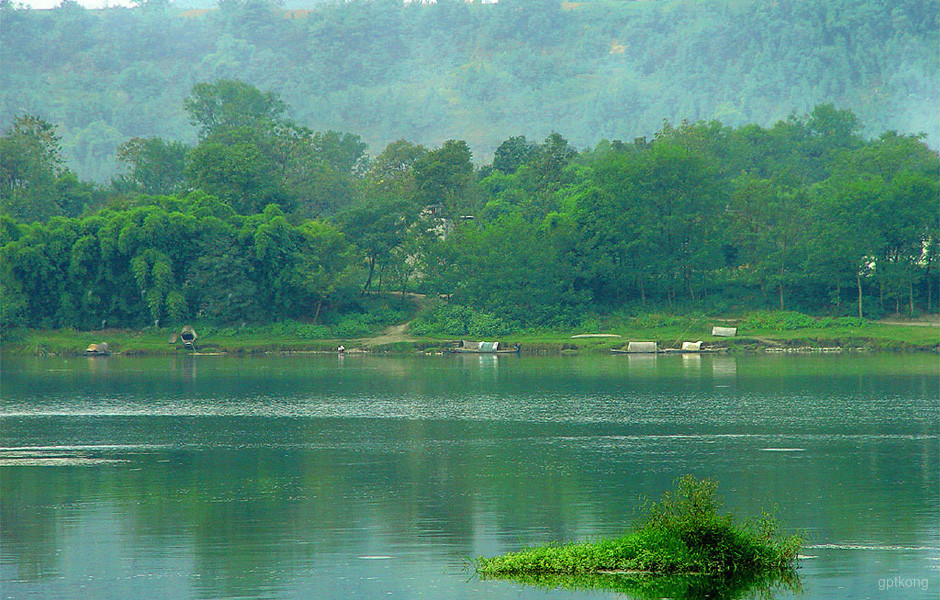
(378, 477)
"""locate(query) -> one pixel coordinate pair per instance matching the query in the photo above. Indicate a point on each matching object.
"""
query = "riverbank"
(920, 336)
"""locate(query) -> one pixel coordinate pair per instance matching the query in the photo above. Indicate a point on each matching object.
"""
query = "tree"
(516, 270)
(323, 265)
(30, 163)
(512, 153)
(231, 104)
(236, 169)
(156, 165)
(377, 227)
(221, 283)
(443, 176)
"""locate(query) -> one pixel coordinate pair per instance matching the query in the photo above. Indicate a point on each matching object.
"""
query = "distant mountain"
(479, 72)
(211, 4)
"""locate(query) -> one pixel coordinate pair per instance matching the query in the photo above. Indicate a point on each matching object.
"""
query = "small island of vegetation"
(683, 535)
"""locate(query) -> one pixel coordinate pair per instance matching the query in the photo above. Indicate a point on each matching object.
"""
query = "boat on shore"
(467, 347)
(653, 348)
(100, 349)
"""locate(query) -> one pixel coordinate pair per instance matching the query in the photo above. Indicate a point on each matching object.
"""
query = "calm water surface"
(376, 477)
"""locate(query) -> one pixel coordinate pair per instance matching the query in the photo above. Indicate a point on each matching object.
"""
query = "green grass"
(682, 534)
(755, 332)
(71, 342)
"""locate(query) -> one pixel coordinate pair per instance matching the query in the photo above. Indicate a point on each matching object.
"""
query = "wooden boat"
(638, 348)
(673, 351)
(188, 336)
(699, 351)
(484, 348)
(98, 349)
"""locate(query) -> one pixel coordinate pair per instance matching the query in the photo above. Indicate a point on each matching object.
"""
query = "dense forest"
(478, 72)
(263, 219)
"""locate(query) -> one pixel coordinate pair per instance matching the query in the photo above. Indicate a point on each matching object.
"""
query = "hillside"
(386, 70)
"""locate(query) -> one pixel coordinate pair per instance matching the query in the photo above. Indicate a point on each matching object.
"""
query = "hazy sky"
(85, 3)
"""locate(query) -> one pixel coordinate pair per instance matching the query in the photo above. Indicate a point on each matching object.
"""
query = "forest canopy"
(264, 219)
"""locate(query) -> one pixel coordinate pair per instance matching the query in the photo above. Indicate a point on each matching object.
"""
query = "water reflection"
(724, 367)
(271, 478)
(642, 363)
(692, 364)
(188, 367)
(680, 587)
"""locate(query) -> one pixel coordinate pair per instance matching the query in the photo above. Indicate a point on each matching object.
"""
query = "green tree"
(443, 177)
(512, 153)
(156, 166)
(377, 227)
(231, 104)
(324, 268)
(30, 162)
(235, 168)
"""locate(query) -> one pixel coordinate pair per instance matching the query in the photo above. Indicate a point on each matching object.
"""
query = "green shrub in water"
(684, 533)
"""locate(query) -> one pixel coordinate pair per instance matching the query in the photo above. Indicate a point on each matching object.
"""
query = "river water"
(378, 477)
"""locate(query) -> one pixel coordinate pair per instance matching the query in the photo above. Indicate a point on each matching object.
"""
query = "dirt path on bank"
(397, 333)
(925, 321)
(391, 335)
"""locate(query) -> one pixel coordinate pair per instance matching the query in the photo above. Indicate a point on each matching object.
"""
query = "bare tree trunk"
(371, 271)
(910, 293)
(929, 291)
(780, 287)
(858, 281)
(316, 315)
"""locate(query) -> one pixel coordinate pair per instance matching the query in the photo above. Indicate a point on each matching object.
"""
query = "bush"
(842, 322)
(783, 320)
(780, 320)
(684, 533)
(457, 320)
(364, 323)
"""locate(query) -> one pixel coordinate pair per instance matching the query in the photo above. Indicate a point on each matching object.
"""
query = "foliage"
(683, 533)
(805, 217)
(789, 321)
(456, 320)
(171, 259)
(34, 183)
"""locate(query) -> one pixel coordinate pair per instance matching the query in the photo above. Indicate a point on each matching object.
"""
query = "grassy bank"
(684, 534)
(755, 334)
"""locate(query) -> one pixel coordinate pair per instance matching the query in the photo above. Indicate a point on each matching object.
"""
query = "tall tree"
(231, 104)
(156, 166)
(30, 163)
(443, 177)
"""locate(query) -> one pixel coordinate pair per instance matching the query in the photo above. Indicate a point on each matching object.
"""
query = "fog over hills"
(478, 72)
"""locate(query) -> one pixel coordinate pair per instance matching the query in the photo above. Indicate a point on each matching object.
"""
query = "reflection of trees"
(28, 528)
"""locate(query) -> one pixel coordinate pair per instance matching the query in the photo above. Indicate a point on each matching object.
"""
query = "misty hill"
(479, 72)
